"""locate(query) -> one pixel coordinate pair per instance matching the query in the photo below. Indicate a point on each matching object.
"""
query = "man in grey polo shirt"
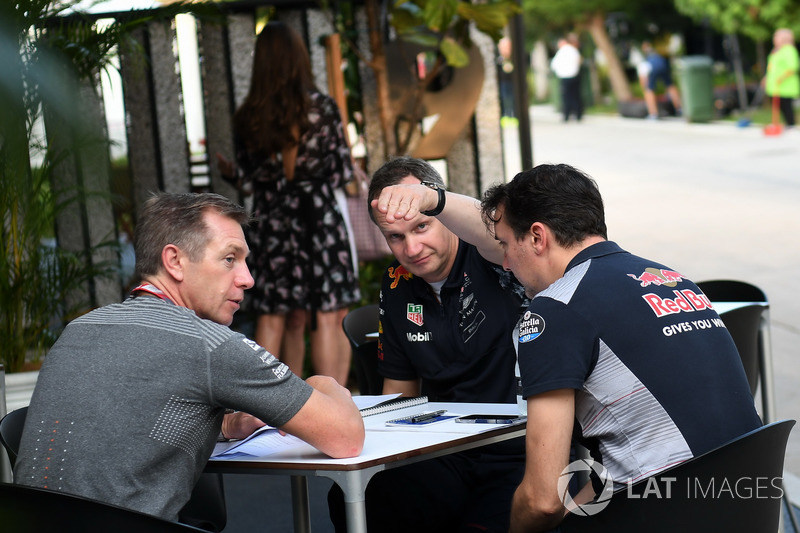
(131, 398)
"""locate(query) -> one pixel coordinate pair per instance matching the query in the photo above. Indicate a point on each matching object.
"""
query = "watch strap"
(442, 198)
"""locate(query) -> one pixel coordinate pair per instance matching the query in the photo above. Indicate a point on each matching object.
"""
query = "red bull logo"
(685, 301)
(380, 336)
(658, 276)
(396, 273)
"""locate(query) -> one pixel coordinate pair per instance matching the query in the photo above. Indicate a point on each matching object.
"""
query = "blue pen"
(427, 416)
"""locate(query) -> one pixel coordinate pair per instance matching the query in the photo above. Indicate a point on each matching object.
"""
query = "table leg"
(356, 513)
(353, 484)
(300, 508)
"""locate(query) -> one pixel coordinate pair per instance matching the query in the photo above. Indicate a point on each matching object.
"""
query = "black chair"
(32, 510)
(726, 290)
(11, 432)
(206, 507)
(736, 487)
(749, 328)
(745, 326)
(357, 324)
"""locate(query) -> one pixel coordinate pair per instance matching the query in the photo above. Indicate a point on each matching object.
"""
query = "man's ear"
(538, 237)
(172, 258)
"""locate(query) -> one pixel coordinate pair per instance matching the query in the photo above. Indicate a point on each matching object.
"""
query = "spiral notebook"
(393, 405)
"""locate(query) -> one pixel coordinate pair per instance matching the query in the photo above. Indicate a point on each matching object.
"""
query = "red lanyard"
(151, 289)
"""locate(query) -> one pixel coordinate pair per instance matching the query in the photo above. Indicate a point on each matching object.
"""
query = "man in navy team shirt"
(446, 315)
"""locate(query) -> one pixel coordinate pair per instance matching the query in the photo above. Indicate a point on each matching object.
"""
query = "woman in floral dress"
(292, 154)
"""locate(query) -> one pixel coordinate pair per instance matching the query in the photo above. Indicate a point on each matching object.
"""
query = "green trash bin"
(696, 86)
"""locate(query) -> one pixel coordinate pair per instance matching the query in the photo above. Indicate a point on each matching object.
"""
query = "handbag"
(369, 241)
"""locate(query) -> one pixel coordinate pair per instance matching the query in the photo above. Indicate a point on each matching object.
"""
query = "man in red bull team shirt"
(445, 322)
(629, 348)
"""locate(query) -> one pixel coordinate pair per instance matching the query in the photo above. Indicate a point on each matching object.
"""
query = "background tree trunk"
(616, 74)
(378, 66)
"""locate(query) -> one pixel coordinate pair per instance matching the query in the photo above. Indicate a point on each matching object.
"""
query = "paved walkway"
(711, 200)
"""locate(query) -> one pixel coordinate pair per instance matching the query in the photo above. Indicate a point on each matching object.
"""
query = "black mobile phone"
(488, 419)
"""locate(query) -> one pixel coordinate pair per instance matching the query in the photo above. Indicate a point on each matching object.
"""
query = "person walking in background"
(505, 79)
(292, 153)
(653, 69)
(566, 65)
(782, 79)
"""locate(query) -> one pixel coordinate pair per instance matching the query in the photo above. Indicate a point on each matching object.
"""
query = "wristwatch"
(439, 206)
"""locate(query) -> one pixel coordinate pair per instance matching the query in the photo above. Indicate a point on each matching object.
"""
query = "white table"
(384, 448)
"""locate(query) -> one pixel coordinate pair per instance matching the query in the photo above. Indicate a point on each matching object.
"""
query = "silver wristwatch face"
(440, 204)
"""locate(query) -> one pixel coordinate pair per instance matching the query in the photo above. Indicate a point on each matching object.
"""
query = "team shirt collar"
(596, 250)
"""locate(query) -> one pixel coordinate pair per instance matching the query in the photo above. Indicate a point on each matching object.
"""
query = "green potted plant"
(40, 283)
(39, 280)
(48, 52)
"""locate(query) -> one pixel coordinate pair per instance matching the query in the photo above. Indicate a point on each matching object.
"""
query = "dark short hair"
(170, 218)
(560, 196)
(393, 171)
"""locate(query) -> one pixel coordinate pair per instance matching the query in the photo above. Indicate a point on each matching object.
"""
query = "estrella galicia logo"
(530, 327)
(600, 501)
